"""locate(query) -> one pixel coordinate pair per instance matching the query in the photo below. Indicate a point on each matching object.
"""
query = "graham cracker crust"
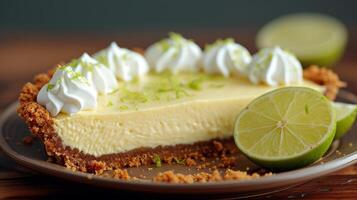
(41, 124)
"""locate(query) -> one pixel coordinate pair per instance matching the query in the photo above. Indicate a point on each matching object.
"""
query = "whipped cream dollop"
(174, 54)
(225, 57)
(124, 63)
(99, 76)
(274, 66)
(67, 92)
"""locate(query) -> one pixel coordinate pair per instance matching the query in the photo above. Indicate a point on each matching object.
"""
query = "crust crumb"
(208, 177)
(28, 93)
(96, 167)
(121, 174)
(171, 177)
(218, 146)
(228, 161)
(41, 79)
(326, 77)
(37, 118)
(238, 175)
(53, 70)
(190, 162)
(203, 177)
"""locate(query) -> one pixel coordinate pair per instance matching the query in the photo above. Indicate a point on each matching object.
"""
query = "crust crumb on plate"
(171, 177)
(121, 174)
(326, 77)
(229, 174)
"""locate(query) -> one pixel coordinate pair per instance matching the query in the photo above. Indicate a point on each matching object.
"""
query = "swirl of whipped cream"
(174, 54)
(124, 63)
(274, 66)
(98, 75)
(225, 57)
(67, 92)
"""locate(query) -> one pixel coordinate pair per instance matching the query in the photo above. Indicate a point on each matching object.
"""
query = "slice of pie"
(119, 108)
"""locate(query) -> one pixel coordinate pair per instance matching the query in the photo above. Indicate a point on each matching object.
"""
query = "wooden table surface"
(22, 55)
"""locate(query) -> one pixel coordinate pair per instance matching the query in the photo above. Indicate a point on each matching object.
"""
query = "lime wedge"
(345, 117)
(313, 38)
(286, 128)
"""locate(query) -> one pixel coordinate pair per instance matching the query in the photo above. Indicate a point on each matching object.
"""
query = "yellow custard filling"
(160, 110)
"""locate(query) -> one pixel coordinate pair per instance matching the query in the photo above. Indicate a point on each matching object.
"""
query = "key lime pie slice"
(118, 108)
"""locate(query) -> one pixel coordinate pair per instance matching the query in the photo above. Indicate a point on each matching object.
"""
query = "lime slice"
(313, 38)
(287, 128)
(345, 117)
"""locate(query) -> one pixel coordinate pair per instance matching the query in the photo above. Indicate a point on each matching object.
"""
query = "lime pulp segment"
(286, 128)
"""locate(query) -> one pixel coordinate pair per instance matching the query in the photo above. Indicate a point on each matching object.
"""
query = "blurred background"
(35, 35)
(119, 15)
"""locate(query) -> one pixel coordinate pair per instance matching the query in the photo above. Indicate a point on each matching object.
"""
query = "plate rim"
(229, 186)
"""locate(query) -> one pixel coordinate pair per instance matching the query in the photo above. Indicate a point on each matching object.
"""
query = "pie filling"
(160, 110)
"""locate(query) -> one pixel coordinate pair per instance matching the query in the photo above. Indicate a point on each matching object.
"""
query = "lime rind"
(284, 162)
(345, 115)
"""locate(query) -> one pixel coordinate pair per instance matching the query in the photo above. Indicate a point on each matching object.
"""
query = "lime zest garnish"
(75, 76)
(135, 80)
(157, 160)
(177, 87)
(166, 87)
(114, 91)
(195, 84)
(198, 83)
(123, 107)
(110, 103)
(50, 86)
(169, 84)
(237, 56)
(265, 60)
(181, 162)
(181, 93)
(176, 37)
(86, 65)
(177, 41)
(102, 58)
(164, 44)
(133, 97)
(73, 63)
(219, 42)
(125, 56)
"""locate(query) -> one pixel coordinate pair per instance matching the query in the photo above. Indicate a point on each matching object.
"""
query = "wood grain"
(22, 55)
